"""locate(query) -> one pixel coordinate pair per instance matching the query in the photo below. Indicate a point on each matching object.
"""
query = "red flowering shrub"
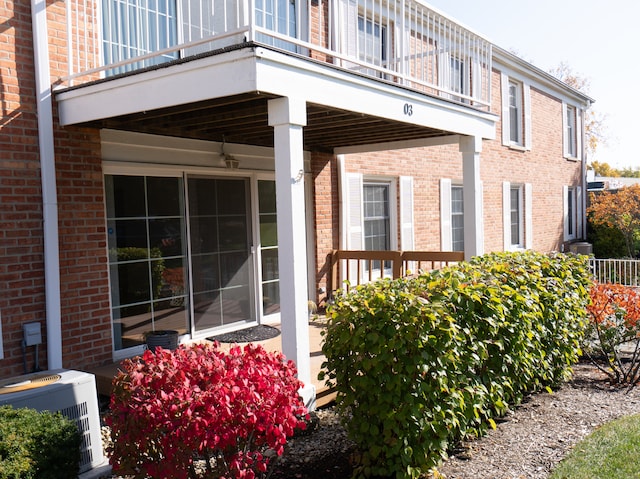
(232, 410)
(614, 315)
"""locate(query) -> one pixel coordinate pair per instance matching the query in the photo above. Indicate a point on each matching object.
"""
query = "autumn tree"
(620, 210)
(629, 172)
(604, 169)
(595, 123)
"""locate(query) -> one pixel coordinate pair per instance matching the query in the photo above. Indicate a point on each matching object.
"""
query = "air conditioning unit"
(72, 393)
(581, 247)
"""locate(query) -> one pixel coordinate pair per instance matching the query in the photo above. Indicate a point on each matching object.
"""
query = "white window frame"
(446, 213)
(525, 216)
(523, 103)
(572, 215)
(571, 139)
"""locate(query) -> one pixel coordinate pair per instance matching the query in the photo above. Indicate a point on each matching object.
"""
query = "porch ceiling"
(243, 119)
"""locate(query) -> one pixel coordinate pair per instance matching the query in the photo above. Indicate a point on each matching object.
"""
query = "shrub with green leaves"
(421, 363)
(41, 445)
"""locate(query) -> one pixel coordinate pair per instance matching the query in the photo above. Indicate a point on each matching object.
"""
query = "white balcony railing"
(401, 41)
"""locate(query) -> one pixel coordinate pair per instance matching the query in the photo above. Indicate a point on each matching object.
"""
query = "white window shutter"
(565, 138)
(349, 30)
(444, 73)
(354, 212)
(526, 103)
(406, 213)
(446, 241)
(528, 216)
(506, 214)
(504, 85)
(565, 212)
(579, 211)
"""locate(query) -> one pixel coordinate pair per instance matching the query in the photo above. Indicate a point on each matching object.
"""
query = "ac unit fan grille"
(80, 414)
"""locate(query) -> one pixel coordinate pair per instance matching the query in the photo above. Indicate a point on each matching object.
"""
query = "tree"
(629, 172)
(604, 169)
(595, 123)
(618, 209)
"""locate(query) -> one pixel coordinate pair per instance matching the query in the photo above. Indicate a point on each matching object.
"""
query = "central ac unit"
(72, 393)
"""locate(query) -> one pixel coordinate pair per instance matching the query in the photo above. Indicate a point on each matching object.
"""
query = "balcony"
(405, 43)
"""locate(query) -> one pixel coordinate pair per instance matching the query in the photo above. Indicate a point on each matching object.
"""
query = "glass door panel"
(147, 258)
(268, 247)
(221, 257)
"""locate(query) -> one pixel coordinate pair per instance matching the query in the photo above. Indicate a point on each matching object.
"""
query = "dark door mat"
(247, 335)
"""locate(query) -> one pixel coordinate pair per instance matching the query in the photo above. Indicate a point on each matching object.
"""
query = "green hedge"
(40, 445)
(420, 363)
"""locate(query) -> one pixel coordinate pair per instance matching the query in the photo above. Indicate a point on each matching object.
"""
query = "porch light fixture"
(230, 162)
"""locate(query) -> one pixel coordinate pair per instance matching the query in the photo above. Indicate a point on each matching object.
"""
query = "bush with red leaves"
(228, 412)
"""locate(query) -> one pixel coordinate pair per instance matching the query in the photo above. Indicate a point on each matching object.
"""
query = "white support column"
(288, 116)
(470, 147)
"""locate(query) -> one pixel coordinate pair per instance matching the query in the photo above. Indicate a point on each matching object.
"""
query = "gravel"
(528, 442)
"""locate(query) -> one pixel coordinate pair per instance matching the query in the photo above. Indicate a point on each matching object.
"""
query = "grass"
(610, 452)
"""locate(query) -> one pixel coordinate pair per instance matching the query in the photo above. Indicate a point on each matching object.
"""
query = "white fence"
(619, 271)
(401, 41)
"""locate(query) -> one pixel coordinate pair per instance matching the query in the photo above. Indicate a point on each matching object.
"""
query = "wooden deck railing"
(359, 266)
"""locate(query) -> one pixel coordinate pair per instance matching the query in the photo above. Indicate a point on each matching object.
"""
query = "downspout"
(48, 178)
(583, 180)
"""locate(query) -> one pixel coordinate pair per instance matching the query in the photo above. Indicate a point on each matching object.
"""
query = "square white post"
(470, 147)
(288, 116)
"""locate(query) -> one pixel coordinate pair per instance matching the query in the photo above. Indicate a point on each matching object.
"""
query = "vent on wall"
(73, 394)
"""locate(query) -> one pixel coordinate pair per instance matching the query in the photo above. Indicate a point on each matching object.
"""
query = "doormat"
(247, 335)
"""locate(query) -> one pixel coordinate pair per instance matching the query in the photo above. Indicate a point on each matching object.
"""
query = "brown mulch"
(527, 444)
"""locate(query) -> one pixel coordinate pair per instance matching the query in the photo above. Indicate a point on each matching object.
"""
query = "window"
(376, 214)
(132, 28)
(572, 212)
(516, 113)
(375, 208)
(372, 43)
(570, 132)
(518, 215)
(515, 215)
(456, 74)
(457, 218)
(278, 16)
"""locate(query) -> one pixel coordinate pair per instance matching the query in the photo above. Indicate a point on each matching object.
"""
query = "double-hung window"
(451, 216)
(457, 218)
(372, 42)
(517, 215)
(516, 113)
(570, 131)
(376, 218)
(572, 212)
(376, 215)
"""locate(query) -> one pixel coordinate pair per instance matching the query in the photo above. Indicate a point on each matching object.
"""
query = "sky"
(599, 40)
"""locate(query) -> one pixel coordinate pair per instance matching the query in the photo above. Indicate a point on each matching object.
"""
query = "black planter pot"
(166, 339)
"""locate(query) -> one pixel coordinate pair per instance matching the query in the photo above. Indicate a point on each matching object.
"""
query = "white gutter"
(48, 177)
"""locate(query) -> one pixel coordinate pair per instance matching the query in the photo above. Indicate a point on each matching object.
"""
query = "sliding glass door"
(221, 258)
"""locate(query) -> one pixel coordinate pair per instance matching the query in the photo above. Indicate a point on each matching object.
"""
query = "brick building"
(147, 146)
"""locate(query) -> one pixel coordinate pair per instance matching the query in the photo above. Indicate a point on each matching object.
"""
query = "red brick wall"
(83, 270)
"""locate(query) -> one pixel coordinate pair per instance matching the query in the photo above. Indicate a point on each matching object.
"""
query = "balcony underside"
(224, 98)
